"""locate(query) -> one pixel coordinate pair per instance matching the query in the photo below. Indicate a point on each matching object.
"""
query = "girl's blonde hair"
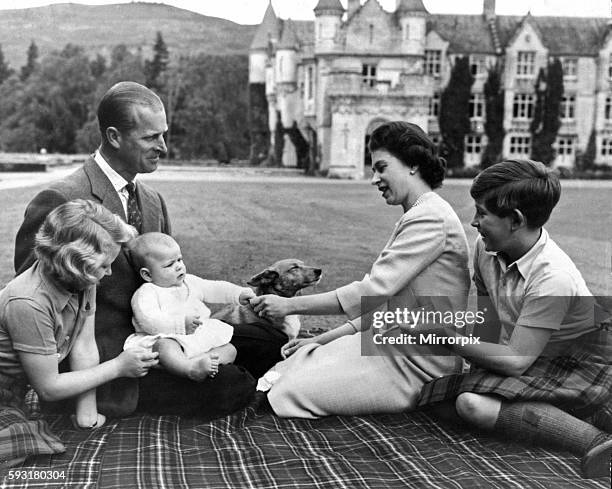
(72, 238)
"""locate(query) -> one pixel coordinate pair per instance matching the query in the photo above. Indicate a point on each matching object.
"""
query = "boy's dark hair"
(409, 144)
(526, 185)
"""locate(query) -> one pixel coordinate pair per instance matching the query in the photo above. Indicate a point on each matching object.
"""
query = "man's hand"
(245, 296)
(192, 321)
(271, 306)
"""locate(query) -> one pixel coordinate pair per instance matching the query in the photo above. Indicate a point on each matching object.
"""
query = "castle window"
(525, 64)
(371, 33)
(568, 107)
(606, 147)
(473, 145)
(478, 64)
(368, 73)
(434, 105)
(608, 108)
(476, 106)
(610, 67)
(433, 60)
(406, 31)
(522, 107)
(309, 83)
(570, 68)
(565, 146)
(520, 145)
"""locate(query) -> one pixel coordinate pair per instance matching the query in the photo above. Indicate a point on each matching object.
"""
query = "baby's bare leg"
(173, 359)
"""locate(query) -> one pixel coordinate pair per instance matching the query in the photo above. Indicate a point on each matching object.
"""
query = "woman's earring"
(412, 172)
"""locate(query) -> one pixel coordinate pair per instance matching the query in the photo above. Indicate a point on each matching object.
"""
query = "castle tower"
(328, 18)
(412, 16)
(265, 37)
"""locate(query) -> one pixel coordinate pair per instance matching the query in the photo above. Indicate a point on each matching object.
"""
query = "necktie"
(134, 216)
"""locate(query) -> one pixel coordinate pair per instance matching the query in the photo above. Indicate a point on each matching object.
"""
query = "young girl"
(549, 362)
(47, 314)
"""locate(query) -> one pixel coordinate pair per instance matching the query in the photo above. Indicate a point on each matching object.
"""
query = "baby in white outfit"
(170, 312)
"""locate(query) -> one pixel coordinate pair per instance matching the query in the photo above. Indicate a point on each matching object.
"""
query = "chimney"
(353, 6)
(488, 9)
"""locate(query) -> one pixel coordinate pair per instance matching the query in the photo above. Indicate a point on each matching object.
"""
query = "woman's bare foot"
(203, 366)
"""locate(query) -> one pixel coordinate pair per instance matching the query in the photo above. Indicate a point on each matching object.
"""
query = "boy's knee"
(469, 407)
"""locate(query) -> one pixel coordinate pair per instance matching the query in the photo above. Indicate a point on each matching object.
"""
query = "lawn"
(231, 230)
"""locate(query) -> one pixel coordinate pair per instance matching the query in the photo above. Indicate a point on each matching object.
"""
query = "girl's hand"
(294, 345)
(246, 296)
(136, 362)
(271, 306)
(88, 421)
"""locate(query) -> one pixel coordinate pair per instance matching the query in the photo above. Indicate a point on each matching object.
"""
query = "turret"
(412, 16)
(286, 65)
(328, 18)
(265, 37)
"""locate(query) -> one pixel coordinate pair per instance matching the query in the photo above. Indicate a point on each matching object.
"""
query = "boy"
(550, 358)
(170, 313)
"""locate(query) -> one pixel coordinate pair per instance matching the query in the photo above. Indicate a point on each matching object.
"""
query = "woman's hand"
(271, 306)
(88, 421)
(294, 345)
(136, 362)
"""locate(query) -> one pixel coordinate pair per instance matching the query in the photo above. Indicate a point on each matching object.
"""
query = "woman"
(427, 255)
(47, 314)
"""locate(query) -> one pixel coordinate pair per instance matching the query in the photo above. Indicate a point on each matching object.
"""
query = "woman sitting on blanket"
(548, 349)
(426, 255)
(47, 314)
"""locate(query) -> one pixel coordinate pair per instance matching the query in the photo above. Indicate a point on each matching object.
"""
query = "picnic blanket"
(255, 449)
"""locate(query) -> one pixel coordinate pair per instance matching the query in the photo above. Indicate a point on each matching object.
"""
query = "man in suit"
(132, 123)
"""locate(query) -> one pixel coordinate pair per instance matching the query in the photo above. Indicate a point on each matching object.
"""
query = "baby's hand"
(192, 321)
(245, 296)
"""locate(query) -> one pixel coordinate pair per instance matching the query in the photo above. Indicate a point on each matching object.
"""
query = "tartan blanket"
(255, 449)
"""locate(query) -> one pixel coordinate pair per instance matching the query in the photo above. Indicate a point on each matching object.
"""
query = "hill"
(98, 28)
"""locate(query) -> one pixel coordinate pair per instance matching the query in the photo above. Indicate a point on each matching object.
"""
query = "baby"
(170, 312)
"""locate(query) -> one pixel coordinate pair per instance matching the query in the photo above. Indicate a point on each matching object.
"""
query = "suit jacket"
(113, 311)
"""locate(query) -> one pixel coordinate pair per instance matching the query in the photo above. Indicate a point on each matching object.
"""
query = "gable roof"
(329, 5)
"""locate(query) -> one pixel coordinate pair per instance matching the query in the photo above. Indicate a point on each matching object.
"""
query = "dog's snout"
(318, 272)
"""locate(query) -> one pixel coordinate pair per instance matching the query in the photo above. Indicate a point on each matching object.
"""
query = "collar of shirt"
(59, 294)
(525, 262)
(117, 181)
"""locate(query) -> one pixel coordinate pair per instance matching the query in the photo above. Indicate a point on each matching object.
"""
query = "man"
(132, 123)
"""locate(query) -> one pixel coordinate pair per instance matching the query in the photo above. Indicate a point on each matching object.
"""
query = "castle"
(336, 79)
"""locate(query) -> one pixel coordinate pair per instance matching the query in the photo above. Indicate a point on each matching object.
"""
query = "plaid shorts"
(580, 383)
(20, 436)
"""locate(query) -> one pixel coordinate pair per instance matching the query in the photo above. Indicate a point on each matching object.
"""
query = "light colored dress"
(427, 255)
(159, 312)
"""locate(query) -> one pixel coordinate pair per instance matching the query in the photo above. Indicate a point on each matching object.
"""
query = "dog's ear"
(264, 278)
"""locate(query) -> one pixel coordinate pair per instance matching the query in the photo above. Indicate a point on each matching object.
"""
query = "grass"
(231, 230)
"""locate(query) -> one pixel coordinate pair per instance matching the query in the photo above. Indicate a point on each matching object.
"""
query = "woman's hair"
(73, 237)
(409, 144)
(116, 106)
(526, 185)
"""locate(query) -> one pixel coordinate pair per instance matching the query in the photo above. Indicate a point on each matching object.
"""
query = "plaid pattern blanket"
(255, 449)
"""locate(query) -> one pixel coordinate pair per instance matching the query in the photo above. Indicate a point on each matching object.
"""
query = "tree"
(31, 63)
(258, 123)
(586, 161)
(98, 66)
(547, 114)
(158, 65)
(454, 115)
(5, 70)
(494, 124)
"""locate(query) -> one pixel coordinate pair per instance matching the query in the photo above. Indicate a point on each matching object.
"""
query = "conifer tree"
(547, 116)
(494, 124)
(157, 66)
(31, 63)
(454, 115)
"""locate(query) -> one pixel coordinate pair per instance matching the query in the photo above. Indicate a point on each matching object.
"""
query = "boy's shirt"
(542, 289)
